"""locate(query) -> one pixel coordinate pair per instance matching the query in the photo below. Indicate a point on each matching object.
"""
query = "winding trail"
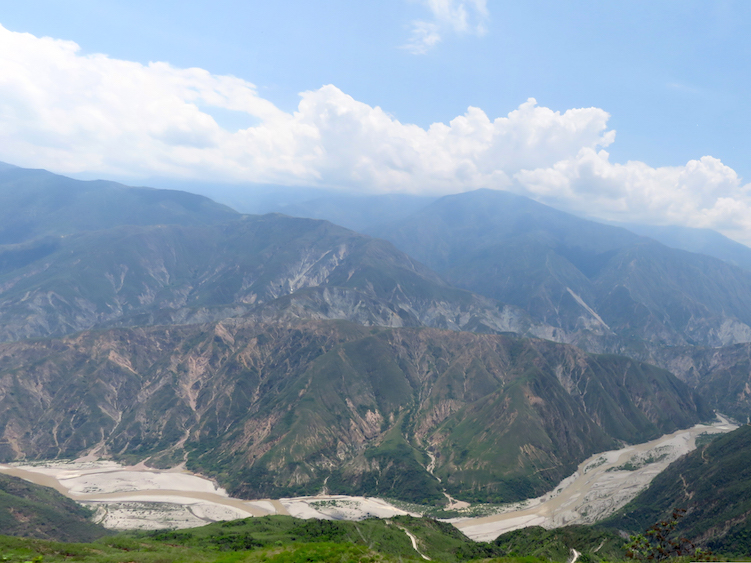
(414, 543)
(453, 503)
(431, 465)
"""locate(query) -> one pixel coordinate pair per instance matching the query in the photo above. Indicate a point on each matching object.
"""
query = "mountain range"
(281, 409)
(482, 347)
(37, 203)
(581, 276)
(365, 213)
(271, 264)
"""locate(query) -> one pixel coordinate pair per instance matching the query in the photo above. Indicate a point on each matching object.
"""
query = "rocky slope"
(721, 376)
(273, 265)
(274, 409)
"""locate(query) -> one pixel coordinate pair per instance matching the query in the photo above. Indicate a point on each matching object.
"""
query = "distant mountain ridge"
(700, 241)
(272, 265)
(368, 213)
(600, 287)
(85, 254)
(575, 274)
(37, 203)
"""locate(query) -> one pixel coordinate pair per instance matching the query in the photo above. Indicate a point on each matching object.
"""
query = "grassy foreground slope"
(284, 539)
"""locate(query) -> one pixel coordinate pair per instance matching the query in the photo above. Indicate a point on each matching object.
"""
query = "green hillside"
(592, 542)
(713, 484)
(29, 510)
(282, 539)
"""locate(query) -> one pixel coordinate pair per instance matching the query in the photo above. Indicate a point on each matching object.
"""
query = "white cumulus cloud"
(447, 16)
(74, 113)
(703, 193)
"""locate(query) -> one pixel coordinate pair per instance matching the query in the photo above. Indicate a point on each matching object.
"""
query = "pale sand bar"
(598, 488)
(138, 497)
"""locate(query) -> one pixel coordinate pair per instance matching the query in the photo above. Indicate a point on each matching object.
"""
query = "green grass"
(593, 543)
(284, 539)
(28, 509)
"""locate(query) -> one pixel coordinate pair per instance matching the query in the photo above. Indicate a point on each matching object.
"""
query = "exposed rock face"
(277, 408)
(721, 376)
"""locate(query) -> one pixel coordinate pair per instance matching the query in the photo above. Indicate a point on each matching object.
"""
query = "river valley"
(138, 497)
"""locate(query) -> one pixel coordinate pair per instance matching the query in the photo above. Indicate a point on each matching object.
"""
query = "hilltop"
(283, 539)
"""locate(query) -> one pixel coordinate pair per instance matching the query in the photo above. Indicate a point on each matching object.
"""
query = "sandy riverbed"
(137, 497)
(602, 484)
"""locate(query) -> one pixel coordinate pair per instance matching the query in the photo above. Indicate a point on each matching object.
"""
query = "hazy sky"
(632, 110)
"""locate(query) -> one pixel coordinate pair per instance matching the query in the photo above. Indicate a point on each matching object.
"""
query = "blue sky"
(674, 75)
(669, 77)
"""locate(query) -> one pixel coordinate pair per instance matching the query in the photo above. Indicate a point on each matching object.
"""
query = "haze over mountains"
(284, 355)
(37, 203)
(270, 265)
(365, 213)
(577, 274)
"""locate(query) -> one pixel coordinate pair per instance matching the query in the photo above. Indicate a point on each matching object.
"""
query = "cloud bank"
(459, 17)
(75, 113)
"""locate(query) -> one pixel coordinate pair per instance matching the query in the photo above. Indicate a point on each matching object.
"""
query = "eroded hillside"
(275, 409)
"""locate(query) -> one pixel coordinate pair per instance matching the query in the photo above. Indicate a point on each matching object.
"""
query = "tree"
(657, 543)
